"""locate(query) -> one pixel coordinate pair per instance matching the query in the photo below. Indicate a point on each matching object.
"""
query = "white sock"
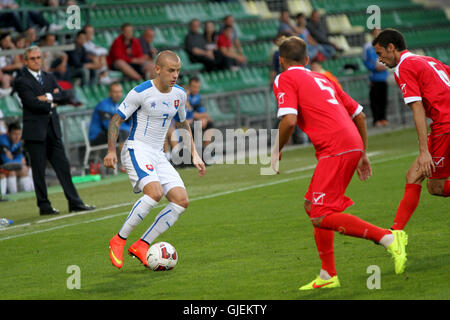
(163, 221)
(387, 240)
(12, 184)
(324, 275)
(26, 183)
(3, 186)
(140, 210)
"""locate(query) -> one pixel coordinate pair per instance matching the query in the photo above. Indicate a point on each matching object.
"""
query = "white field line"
(209, 196)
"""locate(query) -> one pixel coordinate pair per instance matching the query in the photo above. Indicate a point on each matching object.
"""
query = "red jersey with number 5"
(426, 79)
(324, 111)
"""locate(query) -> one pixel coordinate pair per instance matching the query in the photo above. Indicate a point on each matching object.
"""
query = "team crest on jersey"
(438, 162)
(280, 97)
(403, 87)
(318, 198)
(176, 104)
(149, 167)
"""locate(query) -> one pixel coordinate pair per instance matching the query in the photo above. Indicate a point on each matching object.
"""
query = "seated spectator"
(196, 47)
(11, 153)
(5, 82)
(146, 41)
(316, 51)
(210, 35)
(54, 61)
(9, 64)
(319, 31)
(103, 112)
(79, 64)
(126, 55)
(225, 45)
(30, 17)
(229, 21)
(31, 37)
(199, 110)
(97, 54)
(148, 49)
(286, 25)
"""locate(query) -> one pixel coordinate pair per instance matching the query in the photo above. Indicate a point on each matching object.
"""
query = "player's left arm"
(196, 159)
(425, 160)
(364, 169)
(182, 123)
(354, 110)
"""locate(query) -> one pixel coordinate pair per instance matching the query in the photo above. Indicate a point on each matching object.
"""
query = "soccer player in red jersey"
(425, 84)
(336, 126)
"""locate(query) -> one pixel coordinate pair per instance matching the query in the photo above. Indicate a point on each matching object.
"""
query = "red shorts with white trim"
(328, 184)
(439, 147)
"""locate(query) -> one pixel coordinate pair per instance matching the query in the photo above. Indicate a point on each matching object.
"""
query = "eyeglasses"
(35, 58)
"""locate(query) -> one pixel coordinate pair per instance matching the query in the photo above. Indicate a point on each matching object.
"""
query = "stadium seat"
(10, 106)
(341, 42)
(299, 6)
(216, 114)
(341, 24)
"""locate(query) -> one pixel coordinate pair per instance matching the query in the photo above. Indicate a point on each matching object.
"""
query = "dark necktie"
(41, 81)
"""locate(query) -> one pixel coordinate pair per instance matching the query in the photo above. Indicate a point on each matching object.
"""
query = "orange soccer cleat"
(116, 245)
(139, 250)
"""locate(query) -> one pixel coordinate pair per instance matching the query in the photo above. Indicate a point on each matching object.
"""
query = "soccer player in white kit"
(151, 106)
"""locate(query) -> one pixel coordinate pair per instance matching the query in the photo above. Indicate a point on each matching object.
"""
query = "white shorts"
(144, 165)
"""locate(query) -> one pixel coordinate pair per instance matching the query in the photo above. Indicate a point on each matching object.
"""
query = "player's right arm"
(110, 159)
(128, 106)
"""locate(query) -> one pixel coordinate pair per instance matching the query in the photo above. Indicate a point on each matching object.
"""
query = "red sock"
(446, 189)
(324, 242)
(407, 206)
(353, 226)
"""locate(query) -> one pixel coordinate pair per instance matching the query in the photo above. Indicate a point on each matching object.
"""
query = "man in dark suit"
(40, 95)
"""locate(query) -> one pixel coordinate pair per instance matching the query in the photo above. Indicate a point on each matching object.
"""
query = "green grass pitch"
(244, 236)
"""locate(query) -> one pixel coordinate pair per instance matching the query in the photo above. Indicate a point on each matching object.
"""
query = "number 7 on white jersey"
(322, 85)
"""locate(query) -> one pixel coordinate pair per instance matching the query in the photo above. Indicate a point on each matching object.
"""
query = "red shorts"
(439, 147)
(328, 184)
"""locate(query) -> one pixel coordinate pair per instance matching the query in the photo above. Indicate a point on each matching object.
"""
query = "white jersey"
(151, 112)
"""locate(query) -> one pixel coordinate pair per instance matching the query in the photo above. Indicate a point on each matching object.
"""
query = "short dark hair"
(126, 24)
(390, 36)
(294, 49)
(194, 79)
(14, 126)
(79, 33)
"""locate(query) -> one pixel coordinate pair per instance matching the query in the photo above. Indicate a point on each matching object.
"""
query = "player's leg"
(439, 187)
(173, 188)
(168, 216)
(439, 184)
(325, 246)
(12, 182)
(143, 177)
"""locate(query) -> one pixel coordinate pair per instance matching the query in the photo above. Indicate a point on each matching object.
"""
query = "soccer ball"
(162, 256)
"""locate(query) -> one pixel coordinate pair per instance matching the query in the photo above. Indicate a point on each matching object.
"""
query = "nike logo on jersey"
(318, 198)
(438, 161)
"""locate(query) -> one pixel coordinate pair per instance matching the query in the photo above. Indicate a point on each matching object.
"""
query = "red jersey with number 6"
(426, 79)
(324, 111)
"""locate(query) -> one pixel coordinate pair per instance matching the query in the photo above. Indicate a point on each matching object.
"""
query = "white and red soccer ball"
(162, 256)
